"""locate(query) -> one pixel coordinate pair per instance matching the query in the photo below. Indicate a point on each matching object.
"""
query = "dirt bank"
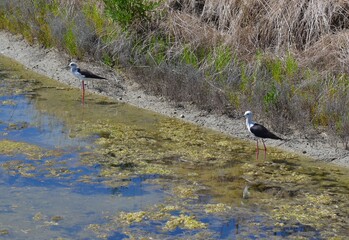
(53, 64)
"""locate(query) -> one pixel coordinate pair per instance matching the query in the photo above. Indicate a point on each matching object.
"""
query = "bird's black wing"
(89, 74)
(260, 131)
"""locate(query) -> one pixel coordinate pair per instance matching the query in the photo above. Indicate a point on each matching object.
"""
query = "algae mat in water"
(201, 172)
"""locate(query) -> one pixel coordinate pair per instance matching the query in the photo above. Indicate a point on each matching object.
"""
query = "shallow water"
(112, 171)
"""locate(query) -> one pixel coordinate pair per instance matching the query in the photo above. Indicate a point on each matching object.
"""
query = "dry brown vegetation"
(310, 29)
(284, 60)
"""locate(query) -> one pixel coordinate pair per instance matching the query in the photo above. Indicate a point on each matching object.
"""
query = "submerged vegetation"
(13, 148)
(285, 60)
(201, 173)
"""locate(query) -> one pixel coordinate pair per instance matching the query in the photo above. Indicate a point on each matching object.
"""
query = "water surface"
(112, 171)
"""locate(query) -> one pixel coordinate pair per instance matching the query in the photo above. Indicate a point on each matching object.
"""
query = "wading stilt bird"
(259, 131)
(82, 75)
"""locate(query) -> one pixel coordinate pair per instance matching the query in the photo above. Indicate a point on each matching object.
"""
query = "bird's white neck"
(249, 122)
(73, 69)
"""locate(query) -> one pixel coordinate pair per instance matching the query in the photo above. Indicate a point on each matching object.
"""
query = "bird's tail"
(273, 136)
(284, 140)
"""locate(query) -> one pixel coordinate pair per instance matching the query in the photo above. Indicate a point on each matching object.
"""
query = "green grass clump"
(70, 43)
(291, 65)
(218, 61)
(156, 50)
(126, 12)
(5, 22)
(223, 57)
(189, 57)
(107, 59)
(95, 17)
(271, 97)
(276, 70)
(45, 36)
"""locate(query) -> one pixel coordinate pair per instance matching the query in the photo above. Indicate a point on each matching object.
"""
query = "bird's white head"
(73, 65)
(249, 122)
(248, 115)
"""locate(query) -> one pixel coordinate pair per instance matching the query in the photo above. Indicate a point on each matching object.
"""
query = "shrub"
(126, 12)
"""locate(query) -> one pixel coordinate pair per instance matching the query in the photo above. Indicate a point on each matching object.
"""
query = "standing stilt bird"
(259, 131)
(82, 75)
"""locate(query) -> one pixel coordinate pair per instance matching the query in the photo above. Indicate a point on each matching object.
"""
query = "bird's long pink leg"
(265, 150)
(83, 92)
(257, 151)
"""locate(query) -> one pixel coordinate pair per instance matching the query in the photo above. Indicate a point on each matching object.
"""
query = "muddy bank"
(52, 63)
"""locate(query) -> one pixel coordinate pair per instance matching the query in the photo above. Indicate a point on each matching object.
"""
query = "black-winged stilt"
(82, 75)
(259, 131)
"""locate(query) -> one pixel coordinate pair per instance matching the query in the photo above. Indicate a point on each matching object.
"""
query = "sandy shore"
(52, 63)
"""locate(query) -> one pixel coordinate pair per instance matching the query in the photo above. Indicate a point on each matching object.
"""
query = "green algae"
(17, 167)
(312, 210)
(178, 155)
(164, 214)
(187, 191)
(45, 220)
(4, 232)
(58, 172)
(100, 232)
(8, 102)
(17, 126)
(38, 216)
(13, 148)
(134, 217)
(185, 222)
(297, 194)
(50, 168)
(217, 208)
(56, 218)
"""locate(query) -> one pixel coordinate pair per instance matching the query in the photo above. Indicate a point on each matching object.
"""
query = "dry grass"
(330, 53)
(271, 23)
